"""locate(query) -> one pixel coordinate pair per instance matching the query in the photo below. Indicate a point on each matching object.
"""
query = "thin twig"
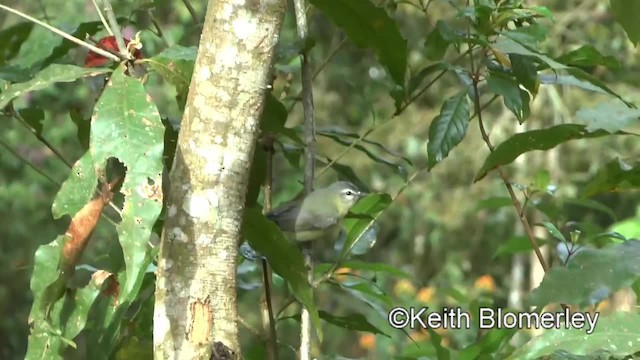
(191, 10)
(266, 305)
(309, 139)
(158, 29)
(102, 19)
(317, 72)
(29, 163)
(39, 136)
(115, 27)
(71, 38)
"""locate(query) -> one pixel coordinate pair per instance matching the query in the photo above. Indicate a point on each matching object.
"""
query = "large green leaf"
(611, 116)
(125, 125)
(81, 32)
(609, 268)
(364, 266)
(47, 77)
(625, 12)
(543, 139)
(369, 26)
(617, 175)
(370, 206)
(448, 128)
(588, 56)
(285, 258)
(175, 65)
(617, 334)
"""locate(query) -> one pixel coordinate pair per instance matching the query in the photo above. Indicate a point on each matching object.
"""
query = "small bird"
(318, 215)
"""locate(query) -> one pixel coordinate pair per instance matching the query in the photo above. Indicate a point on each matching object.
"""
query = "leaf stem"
(102, 19)
(71, 38)
(115, 28)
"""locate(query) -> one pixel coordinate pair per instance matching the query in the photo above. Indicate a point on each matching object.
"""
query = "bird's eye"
(349, 193)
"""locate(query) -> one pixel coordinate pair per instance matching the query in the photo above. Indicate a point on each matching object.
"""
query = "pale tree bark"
(195, 311)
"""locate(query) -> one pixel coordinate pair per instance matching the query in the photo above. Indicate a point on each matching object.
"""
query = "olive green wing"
(289, 217)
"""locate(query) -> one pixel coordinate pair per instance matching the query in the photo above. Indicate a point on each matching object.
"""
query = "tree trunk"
(195, 311)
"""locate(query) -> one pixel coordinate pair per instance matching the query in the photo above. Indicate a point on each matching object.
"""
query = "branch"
(115, 27)
(191, 10)
(475, 76)
(102, 19)
(266, 305)
(309, 139)
(71, 38)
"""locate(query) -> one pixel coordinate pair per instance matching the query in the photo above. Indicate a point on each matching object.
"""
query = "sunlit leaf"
(588, 56)
(371, 205)
(448, 128)
(369, 26)
(611, 116)
(616, 335)
(47, 77)
(612, 267)
(284, 257)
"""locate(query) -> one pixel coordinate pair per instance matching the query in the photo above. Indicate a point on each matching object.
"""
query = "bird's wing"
(289, 218)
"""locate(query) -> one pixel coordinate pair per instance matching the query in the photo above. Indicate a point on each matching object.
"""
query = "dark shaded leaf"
(494, 203)
(257, 176)
(515, 99)
(543, 139)
(616, 335)
(34, 117)
(435, 44)
(612, 267)
(618, 175)
(11, 39)
(369, 26)
(356, 322)
(488, 344)
(448, 128)
(81, 32)
(274, 117)
(525, 71)
(47, 77)
(516, 244)
(285, 258)
(528, 35)
(592, 204)
(625, 12)
(83, 127)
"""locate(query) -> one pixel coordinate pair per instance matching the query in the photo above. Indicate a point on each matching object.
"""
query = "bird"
(319, 215)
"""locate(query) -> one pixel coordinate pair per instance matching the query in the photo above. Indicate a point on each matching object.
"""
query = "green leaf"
(516, 244)
(525, 71)
(369, 26)
(610, 268)
(553, 230)
(365, 266)
(494, 203)
(588, 56)
(515, 99)
(34, 117)
(529, 35)
(616, 334)
(47, 77)
(175, 65)
(435, 44)
(345, 173)
(126, 126)
(356, 322)
(257, 176)
(591, 204)
(371, 205)
(12, 39)
(616, 176)
(508, 45)
(284, 257)
(35, 48)
(448, 128)
(543, 139)
(83, 127)
(625, 12)
(611, 116)
(488, 344)
(582, 75)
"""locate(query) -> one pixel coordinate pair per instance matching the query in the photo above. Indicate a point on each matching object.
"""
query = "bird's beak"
(362, 194)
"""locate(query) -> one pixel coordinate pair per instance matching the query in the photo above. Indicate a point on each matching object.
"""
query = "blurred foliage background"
(435, 231)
